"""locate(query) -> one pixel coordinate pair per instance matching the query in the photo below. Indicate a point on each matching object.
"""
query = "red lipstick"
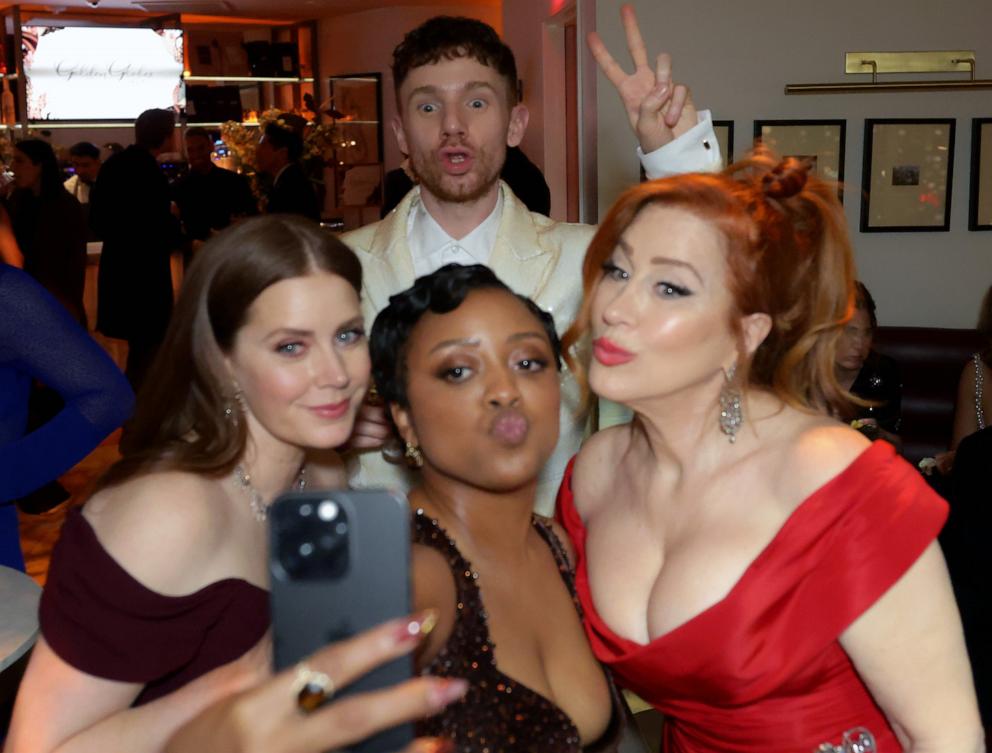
(609, 353)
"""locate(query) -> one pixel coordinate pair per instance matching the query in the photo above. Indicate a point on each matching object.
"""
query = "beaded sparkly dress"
(498, 714)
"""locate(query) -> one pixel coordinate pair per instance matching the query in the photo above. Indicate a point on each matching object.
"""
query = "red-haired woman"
(754, 568)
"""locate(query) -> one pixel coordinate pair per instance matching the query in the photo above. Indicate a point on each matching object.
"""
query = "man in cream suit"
(456, 98)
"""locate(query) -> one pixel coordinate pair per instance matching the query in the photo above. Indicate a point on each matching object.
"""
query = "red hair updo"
(788, 256)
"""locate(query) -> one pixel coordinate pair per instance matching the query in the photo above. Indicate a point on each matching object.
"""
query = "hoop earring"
(731, 415)
(413, 456)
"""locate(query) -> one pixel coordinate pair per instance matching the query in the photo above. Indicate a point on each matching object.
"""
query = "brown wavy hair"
(179, 422)
(788, 256)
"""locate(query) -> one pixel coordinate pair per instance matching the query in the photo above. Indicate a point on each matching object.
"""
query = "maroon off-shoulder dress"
(102, 621)
(762, 670)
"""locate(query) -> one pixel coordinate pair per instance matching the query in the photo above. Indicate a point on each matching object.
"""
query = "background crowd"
(738, 553)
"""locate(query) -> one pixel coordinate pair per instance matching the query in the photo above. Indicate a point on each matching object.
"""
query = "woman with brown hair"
(749, 565)
(161, 579)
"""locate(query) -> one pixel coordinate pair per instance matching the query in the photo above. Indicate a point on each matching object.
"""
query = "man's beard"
(432, 177)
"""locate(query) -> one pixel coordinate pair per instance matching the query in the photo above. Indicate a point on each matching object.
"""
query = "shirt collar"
(427, 238)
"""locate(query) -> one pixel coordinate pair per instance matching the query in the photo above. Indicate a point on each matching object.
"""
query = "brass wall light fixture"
(945, 61)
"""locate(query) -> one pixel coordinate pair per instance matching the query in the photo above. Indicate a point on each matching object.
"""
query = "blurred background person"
(48, 224)
(974, 403)
(84, 158)
(209, 197)
(869, 375)
(277, 157)
(40, 341)
(131, 211)
(965, 540)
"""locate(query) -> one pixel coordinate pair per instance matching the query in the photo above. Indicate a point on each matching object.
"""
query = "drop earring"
(731, 416)
(413, 456)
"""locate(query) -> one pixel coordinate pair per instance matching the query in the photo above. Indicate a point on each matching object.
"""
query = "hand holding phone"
(339, 563)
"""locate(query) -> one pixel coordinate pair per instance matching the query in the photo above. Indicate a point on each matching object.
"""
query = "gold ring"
(372, 397)
(312, 688)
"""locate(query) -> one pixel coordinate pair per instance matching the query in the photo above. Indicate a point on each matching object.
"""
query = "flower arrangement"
(319, 140)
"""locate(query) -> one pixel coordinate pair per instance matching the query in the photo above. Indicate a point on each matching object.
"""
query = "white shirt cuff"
(695, 151)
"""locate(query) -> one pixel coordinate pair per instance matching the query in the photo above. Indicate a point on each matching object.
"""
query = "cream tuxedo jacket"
(536, 257)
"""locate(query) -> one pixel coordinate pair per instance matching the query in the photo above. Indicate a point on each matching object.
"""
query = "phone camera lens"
(306, 511)
(306, 549)
(341, 528)
(327, 510)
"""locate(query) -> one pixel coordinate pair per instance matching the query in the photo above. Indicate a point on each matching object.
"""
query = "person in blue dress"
(40, 340)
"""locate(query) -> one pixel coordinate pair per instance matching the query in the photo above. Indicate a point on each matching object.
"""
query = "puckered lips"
(609, 353)
(331, 411)
(456, 160)
(509, 427)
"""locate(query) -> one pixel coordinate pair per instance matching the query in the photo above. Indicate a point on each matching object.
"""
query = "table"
(19, 596)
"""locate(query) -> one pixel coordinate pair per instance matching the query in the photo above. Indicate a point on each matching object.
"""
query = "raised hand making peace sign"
(659, 110)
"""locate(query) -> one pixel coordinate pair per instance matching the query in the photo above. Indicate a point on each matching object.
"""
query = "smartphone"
(339, 563)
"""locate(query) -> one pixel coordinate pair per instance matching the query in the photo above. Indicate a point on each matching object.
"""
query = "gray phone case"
(339, 563)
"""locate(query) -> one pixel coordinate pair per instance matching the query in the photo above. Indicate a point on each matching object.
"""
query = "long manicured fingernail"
(417, 627)
(447, 689)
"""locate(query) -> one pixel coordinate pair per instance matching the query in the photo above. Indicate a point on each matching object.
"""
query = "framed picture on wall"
(980, 206)
(724, 130)
(906, 181)
(819, 142)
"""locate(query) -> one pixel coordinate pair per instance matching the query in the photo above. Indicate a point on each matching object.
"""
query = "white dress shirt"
(431, 247)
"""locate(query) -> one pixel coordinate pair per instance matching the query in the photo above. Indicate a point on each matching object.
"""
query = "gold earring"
(413, 456)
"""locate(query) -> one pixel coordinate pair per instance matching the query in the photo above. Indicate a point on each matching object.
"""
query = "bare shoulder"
(818, 450)
(596, 463)
(433, 588)
(162, 528)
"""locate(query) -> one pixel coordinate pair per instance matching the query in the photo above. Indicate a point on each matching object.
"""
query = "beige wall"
(364, 42)
(738, 61)
(522, 31)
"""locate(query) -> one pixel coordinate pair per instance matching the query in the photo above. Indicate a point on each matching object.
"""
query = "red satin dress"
(762, 670)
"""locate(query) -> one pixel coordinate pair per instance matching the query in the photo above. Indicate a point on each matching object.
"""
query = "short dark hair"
(198, 132)
(85, 149)
(439, 292)
(450, 38)
(285, 137)
(153, 127)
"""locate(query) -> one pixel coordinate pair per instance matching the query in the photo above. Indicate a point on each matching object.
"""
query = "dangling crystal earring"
(413, 456)
(731, 416)
(239, 398)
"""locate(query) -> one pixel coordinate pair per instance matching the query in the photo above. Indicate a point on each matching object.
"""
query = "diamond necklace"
(259, 509)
